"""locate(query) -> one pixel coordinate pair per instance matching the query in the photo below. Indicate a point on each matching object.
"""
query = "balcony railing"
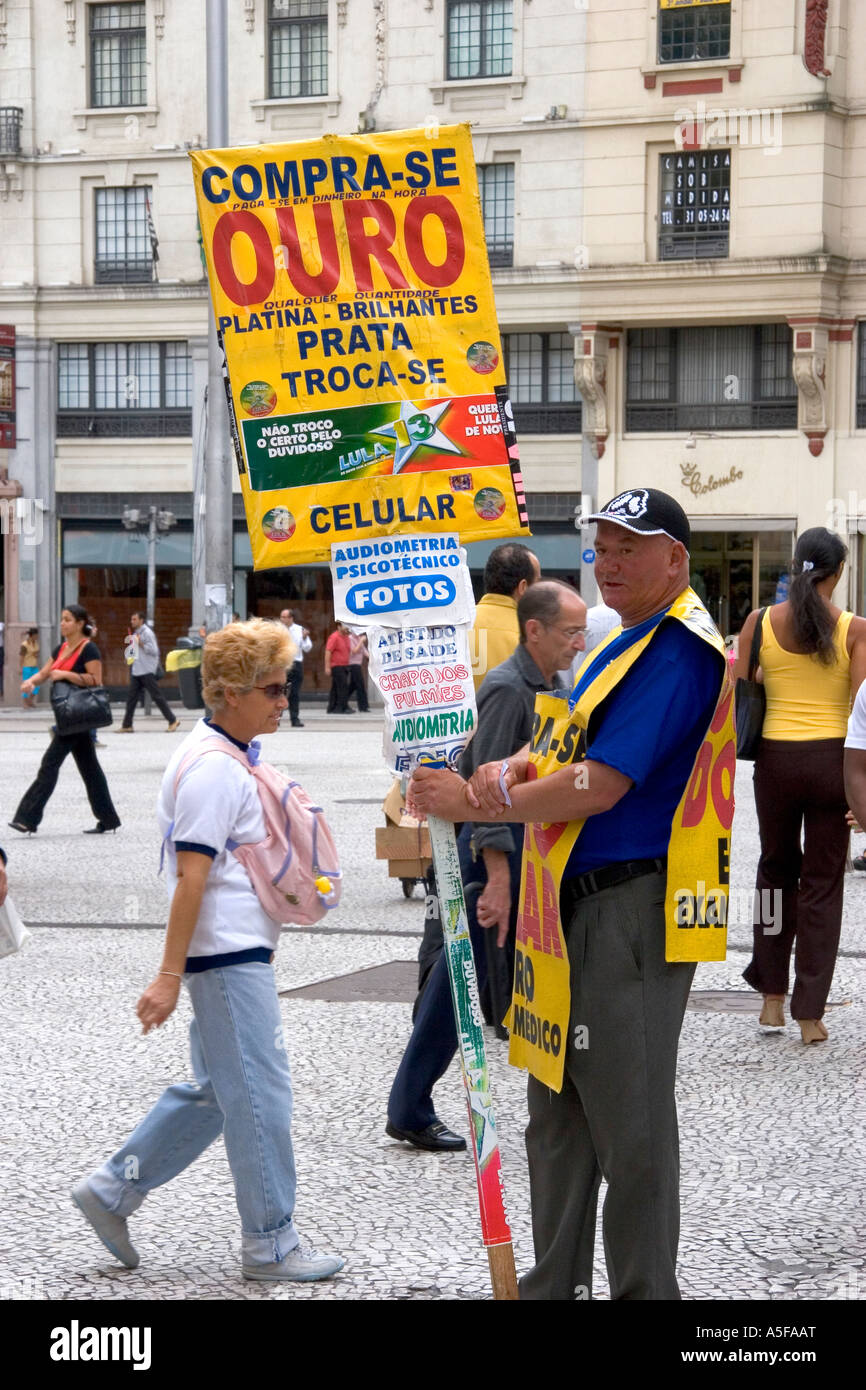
(546, 419)
(123, 424)
(742, 415)
(10, 130)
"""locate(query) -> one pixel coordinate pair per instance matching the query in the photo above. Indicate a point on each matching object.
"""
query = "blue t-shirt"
(649, 728)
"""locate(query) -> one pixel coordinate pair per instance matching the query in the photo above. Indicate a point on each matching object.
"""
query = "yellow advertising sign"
(696, 897)
(353, 300)
(688, 4)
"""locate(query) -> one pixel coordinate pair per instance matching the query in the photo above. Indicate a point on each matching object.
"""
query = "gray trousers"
(615, 1116)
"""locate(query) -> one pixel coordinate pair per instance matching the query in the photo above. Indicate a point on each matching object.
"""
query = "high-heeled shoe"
(812, 1030)
(773, 1012)
(22, 828)
(100, 829)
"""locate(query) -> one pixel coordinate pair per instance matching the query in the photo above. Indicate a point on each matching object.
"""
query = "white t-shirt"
(216, 801)
(857, 721)
(302, 643)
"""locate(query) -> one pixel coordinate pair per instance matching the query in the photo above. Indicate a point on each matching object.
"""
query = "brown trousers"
(799, 787)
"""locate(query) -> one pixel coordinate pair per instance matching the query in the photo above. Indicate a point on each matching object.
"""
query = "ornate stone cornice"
(250, 15)
(810, 374)
(159, 17)
(591, 347)
(70, 20)
(3, 22)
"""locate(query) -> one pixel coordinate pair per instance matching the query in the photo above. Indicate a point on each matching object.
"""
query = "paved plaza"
(772, 1132)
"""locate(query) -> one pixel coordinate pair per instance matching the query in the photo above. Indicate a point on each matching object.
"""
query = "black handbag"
(79, 708)
(750, 701)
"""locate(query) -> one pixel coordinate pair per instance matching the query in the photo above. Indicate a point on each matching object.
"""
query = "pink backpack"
(295, 870)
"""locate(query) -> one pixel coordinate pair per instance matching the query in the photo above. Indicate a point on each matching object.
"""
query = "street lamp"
(153, 521)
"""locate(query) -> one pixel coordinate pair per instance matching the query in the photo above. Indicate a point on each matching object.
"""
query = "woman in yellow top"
(812, 661)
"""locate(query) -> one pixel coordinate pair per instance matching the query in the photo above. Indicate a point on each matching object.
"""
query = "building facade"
(673, 203)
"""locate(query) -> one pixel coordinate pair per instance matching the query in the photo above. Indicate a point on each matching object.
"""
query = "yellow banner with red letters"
(365, 373)
(698, 851)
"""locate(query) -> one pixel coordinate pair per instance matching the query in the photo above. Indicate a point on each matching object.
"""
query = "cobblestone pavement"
(772, 1132)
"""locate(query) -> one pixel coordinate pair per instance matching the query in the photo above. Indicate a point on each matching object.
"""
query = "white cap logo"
(629, 504)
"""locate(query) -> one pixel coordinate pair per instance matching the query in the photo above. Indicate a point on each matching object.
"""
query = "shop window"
(540, 372)
(124, 389)
(692, 31)
(297, 48)
(117, 55)
(711, 378)
(861, 376)
(496, 186)
(694, 205)
(479, 39)
(126, 248)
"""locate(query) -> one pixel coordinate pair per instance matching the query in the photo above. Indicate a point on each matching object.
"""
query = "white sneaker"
(302, 1264)
(111, 1229)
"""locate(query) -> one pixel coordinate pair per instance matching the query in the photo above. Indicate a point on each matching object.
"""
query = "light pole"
(213, 505)
(151, 522)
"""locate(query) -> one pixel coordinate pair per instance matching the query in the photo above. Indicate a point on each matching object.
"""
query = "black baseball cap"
(647, 512)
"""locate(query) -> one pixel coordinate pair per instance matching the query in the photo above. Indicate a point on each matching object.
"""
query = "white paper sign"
(425, 677)
(404, 580)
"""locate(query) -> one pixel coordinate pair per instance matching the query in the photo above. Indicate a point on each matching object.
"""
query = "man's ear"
(521, 589)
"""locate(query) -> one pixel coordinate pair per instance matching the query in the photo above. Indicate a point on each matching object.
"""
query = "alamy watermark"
(760, 127)
(24, 517)
(737, 907)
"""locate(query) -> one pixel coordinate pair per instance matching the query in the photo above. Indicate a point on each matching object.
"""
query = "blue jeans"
(433, 1043)
(243, 1090)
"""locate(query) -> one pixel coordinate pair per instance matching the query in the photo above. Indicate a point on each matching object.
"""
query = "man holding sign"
(627, 789)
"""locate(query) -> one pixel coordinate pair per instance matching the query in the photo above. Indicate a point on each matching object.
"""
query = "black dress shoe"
(100, 829)
(436, 1137)
(297, 724)
(22, 828)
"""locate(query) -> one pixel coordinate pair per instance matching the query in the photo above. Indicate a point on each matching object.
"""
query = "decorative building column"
(592, 344)
(810, 374)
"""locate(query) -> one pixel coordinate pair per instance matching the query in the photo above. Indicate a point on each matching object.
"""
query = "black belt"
(597, 879)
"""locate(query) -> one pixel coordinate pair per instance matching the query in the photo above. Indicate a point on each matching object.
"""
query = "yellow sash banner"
(698, 851)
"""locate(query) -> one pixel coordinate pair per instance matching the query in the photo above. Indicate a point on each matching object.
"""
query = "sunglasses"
(275, 692)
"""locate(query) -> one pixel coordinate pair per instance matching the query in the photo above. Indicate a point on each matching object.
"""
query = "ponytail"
(818, 555)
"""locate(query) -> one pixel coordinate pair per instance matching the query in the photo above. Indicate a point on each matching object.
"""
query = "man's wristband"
(171, 972)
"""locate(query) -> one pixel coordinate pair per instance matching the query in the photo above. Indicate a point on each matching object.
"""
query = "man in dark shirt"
(552, 618)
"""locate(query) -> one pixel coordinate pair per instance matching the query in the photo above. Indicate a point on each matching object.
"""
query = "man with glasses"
(551, 618)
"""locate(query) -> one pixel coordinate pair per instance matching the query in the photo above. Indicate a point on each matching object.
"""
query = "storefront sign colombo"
(354, 306)
(693, 480)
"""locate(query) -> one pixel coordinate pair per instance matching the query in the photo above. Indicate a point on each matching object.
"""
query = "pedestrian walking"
(303, 643)
(358, 654)
(601, 786)
(337, 651)
(143, 660)
(551, 617)
(29, 657)
(76, 660)
(220, 944)
(812, 659)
